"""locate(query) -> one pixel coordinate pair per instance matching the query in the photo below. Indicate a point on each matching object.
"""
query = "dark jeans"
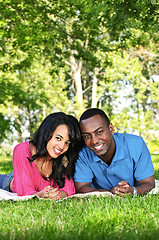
(5, 181)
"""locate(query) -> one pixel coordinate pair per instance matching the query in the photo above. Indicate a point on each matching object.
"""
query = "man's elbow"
(153, 184)
(78, 187)
(82, 187)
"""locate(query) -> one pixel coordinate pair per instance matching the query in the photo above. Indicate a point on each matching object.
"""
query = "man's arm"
(86, 187)
(144, 186)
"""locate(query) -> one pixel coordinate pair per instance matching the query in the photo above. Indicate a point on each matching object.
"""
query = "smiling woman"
(59, 143)
(45, 165)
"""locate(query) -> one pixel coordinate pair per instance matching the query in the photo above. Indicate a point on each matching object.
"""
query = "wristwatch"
(135, 191)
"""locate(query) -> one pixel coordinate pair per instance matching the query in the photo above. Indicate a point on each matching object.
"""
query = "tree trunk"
(94, 88)
(76, 67)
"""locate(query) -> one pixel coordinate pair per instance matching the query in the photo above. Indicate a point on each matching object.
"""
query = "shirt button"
(107, 169)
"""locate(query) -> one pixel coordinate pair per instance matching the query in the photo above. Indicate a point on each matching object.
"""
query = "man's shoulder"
(129, 138)
(132, 143)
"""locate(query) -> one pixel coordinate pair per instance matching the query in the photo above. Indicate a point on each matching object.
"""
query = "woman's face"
(59, 143)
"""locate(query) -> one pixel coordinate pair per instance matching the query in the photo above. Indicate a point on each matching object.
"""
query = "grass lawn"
(87, 218)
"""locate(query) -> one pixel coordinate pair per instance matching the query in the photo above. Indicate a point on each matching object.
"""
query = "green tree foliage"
(69, 55)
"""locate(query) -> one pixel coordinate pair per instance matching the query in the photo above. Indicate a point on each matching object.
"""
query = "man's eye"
(100, 132)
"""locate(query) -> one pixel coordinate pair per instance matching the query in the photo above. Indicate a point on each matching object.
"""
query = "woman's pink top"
(27, 179)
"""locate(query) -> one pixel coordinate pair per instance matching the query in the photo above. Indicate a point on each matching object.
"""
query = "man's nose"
(94, 139)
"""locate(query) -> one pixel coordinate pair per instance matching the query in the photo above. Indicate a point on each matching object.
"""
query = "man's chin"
(99, 152)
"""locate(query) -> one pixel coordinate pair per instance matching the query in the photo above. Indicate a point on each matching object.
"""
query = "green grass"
(87, 218)
(5, 164)
(155, 159)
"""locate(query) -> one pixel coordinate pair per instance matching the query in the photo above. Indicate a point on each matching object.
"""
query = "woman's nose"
(61, 145)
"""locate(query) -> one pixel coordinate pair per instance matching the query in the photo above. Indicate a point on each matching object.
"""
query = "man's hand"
(144, 186)
(122, 188)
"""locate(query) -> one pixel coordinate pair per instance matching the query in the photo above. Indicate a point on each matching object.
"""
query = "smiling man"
(114, 162)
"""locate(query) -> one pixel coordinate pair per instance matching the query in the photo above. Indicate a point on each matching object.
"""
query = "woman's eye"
(58, 138)
(68, 143)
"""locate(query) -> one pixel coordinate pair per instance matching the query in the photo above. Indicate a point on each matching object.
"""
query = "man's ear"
(111, 128)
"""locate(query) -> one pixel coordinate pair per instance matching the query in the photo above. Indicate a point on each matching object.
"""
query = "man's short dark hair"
(93, 112)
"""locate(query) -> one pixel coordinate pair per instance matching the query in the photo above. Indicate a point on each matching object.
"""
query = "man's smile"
(99, 147)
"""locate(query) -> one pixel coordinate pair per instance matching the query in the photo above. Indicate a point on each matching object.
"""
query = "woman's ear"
(111, 128)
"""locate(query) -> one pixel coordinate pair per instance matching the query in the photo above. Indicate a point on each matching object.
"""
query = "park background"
(70, 55)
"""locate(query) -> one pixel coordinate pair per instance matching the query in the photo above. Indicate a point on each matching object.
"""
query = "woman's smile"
(57, 151)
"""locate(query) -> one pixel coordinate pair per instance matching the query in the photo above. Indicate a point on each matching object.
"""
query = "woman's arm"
(68, 189)
(24, 176)
(51, 193)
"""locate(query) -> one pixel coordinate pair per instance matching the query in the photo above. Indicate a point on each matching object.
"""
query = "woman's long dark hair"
(44, 133)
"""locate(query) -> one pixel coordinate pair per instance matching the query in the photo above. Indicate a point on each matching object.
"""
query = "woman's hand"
(55, 194)
(51, 193)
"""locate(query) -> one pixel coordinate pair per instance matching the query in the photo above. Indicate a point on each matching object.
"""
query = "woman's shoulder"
(21, 151)
(23, 146)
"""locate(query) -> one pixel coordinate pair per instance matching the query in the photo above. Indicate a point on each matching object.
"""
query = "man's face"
(97, 135)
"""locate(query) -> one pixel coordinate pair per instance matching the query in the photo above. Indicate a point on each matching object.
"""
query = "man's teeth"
(97, 147)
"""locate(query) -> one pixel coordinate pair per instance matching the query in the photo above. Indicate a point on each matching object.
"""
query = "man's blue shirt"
(132, 162)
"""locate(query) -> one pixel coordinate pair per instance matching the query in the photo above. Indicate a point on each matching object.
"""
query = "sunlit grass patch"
(91, 218)
(86, 218)
(5, 164)
(155, 159)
